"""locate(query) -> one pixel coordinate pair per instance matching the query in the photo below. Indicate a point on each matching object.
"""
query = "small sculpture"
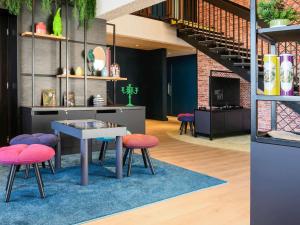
(130, 90)
(57, 24)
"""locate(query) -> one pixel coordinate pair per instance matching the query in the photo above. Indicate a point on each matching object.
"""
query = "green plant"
(84, 10)
(275, 9)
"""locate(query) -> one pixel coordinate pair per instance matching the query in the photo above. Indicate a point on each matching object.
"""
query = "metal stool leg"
(125, 156)
(10, 170)
(129, 162)
(51, 166)
(18, 168)
(39, 180)
(43, 165)
(101, 150)
(104, 151)
(191, 128)
(10, 182)
(144, 158)
(149, 161)
(181, 127)
(27, 167)
(185, 127)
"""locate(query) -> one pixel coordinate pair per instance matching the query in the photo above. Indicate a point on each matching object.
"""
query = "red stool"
(139, 141)
(22, 154)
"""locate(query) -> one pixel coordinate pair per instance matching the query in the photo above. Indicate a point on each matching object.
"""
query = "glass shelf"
(93, 77)
(278, 98)
(281, 34)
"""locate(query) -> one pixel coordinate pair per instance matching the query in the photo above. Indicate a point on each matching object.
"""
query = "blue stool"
(105, 141)
(186, 119)
(104, 146)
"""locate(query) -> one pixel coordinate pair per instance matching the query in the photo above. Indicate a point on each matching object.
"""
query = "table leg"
(84, 161)
(90, 143)
(119, 157)
(58, 151)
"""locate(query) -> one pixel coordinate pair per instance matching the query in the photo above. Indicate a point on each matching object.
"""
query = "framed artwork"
(48, 97)
(71, 99)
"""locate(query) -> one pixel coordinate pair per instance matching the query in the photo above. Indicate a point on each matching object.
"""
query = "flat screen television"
(224, 91)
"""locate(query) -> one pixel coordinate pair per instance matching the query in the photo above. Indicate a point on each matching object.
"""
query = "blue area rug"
(67, 202)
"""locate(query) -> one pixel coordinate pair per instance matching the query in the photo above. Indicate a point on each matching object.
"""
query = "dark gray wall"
(145, 69)
(50, 57)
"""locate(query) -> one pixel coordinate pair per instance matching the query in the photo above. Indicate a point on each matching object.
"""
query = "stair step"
(219, 44)
(240, 57)
(231, 56)
(242, 64)
(192, 31)
(247, 65)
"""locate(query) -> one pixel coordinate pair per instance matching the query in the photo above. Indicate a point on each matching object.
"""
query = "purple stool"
(186, 119)
(17, 155)
(49, 140)
(139, 141)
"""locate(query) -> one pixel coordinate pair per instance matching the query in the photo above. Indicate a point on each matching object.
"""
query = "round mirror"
(99, 58)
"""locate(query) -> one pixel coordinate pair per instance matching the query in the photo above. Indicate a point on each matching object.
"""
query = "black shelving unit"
(67, 40)
(275, 163)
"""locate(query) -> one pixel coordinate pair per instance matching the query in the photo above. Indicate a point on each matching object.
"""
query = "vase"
(57, 23)
(271, 75)
(286, 74)
(279, 22)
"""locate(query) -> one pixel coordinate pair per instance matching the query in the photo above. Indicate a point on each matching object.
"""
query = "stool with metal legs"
(24, 155)
(139, 141)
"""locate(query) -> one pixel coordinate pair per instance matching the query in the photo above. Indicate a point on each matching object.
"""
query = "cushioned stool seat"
(22, 154)
(139, 141)
(50, 140)
(186, 119)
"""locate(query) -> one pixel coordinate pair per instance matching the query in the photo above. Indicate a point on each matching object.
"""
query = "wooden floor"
(222, 205)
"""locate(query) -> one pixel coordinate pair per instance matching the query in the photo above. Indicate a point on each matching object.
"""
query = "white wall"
(111, 9)
(146, 29)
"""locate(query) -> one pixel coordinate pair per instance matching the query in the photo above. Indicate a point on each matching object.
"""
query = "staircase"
(218, 28)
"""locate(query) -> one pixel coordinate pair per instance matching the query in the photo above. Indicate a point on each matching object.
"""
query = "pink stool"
(22, 154)
(139, 141)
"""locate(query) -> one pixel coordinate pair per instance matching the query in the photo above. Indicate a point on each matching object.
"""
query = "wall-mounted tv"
(224, 91)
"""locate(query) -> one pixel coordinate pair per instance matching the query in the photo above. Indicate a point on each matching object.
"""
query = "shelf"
(278, 98)
(93, 77)
(56, 38)
(281, 34)
(276, 141)
(43, 36)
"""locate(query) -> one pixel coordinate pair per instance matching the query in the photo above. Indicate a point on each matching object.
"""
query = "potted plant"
(275, 13)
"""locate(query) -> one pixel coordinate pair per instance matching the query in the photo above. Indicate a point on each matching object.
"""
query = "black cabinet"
(275, 182)
(222, 122)
(38, 120)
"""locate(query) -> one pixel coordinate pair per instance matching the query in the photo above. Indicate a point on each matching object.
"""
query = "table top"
(87, 124)
(89, 128)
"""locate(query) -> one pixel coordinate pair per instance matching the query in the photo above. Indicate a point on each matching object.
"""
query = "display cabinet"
(275, 142)
(64, 54)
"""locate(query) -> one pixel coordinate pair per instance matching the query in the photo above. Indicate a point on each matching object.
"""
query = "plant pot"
(279, 22)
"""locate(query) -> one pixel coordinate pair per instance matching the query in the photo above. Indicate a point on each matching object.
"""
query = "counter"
(38, 119)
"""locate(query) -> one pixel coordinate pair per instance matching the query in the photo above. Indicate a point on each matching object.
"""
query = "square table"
(86, 130)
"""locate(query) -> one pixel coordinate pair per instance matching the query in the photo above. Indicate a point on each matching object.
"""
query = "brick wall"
(287, 119)
(205, 65)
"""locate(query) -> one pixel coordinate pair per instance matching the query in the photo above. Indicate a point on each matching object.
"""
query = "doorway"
(182, 84)
(8, 77)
